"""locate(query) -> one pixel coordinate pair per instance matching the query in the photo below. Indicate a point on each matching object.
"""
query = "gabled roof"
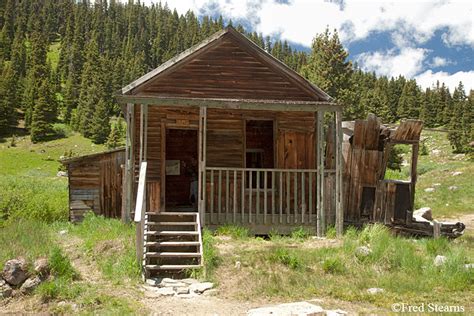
(211, 60)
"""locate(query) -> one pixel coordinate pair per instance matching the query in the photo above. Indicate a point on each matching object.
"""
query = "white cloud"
(412, 22)
(440, 62)
(408, 62)
(429, 78)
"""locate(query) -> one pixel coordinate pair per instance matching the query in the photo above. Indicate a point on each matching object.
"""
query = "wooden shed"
(224, 133)
(95, 184)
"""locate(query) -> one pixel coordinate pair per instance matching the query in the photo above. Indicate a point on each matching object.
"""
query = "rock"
(469, 266)
(182, 290)
(298, 308)
(456, 173)
(189, 281)
(363, 251)
(15, 271)
(424, 212)
(167, 282)
(429, 189)
(42, 267)
(439, 260)
(375, 290)
(436, 151)
(436, 184)
(63, 232)
(335, 312)
(238, 265)
(453, 188)
(61, 174)
(152, 282)
(30, 284)
(200, 287)
(211, 292)
(5, 289)
(164, 291)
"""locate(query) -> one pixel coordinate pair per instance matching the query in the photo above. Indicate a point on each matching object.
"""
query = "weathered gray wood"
(250, 196)
(234, 104)
(265, 208)
(227, 195)
(212, 197)
(339, 170)
(436, 229)
(295, 196)
(234, 204)
(258, 195)
(303, 196)
(280, 196)
(219, 196)
(273, 196)
(318, 174)
(203, 165)
(288, 197)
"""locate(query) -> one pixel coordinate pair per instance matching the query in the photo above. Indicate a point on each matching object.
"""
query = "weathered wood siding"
(95, 184)
(227, 69)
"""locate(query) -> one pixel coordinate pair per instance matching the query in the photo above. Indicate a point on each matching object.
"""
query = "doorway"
(181, 171)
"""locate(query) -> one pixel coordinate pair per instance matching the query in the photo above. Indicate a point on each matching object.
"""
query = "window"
(259, 150)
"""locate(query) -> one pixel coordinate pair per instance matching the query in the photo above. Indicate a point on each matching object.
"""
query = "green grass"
(437, 169)
(402, 267)
(234, 231)
(111, 244)
(29, 187)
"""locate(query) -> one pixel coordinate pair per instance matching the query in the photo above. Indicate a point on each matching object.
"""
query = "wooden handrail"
(267, 169)
(141, 204)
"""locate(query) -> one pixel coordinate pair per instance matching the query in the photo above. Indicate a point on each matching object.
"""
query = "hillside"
(99, 273)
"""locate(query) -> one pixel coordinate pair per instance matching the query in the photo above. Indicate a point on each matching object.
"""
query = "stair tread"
(171, 223)
(173, 213)
(172, 243)
(172, 254)
(171, 232)
(171, 266)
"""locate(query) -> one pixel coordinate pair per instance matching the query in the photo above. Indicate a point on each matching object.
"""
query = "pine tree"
(100, 129)
(44, 113)
(458, 124)
(409, 102)
(113, 140)
(8, 99)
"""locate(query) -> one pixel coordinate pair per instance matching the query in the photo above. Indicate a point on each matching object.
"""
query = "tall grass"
(111, 244)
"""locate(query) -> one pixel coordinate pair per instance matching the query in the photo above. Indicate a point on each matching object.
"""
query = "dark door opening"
(181, 168)
(259, 149)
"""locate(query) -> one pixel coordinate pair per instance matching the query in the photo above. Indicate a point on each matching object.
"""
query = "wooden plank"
(303, 196)
(273, 173)
(219, 196)
(288, 196)
(250, 196)
(234, 204)
(227, 194)
(257, 189)
(265, 193)
(310, 195)
(242, 198)
(140, 207)
(295, 196)
(212, 198)
(280, 194)
(339, 170)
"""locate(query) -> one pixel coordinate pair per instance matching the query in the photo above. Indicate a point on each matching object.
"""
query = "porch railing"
(263, 196)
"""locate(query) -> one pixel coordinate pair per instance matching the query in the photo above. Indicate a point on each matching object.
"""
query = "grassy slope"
(438, 168)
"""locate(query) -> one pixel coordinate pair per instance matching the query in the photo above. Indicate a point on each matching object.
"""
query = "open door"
(181, 173)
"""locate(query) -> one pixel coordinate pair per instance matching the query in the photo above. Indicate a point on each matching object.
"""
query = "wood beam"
(236, 104)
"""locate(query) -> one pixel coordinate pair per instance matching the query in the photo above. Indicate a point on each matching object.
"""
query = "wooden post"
(202, 164)
(436, 229)
(319, 174)
(339, 170)
(128, 170)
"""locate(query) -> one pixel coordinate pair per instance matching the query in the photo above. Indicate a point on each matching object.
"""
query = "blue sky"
(426, 40)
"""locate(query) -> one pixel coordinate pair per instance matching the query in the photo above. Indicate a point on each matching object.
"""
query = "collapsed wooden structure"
(372, 197)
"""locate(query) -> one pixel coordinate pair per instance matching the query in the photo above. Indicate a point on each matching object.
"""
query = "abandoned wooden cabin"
(95, 184)
(224, 133)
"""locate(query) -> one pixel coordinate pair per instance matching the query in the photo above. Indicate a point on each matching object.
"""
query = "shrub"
(287, 258)
(59, 288)
(300, 233)
(234, 231)
(61, 265)
(334, 265)
(61, 131)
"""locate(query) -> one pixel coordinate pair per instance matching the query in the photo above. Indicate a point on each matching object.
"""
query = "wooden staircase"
(172, 243)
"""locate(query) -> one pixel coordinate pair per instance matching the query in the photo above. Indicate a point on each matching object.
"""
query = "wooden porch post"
(128, 172)
(339, 170)
(320, 215)
(202, 164)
